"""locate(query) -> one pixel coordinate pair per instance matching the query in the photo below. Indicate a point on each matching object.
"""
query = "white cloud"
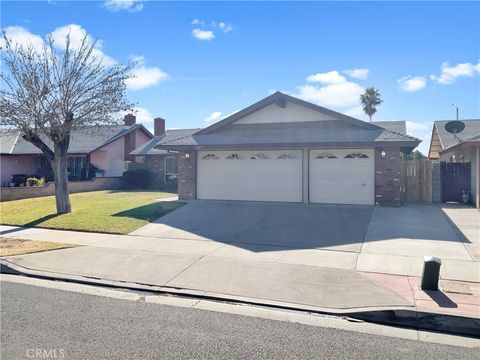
(128, 5)
(22, 37)
(144, 116)
(213, 117)
(355, 111)
(145, 77)
(331, 77)
(412, 83)
(358, 73)
(77, 33)
(342, 95)
(225, 27)
(206, 30)
(203, 34)
(449, 74)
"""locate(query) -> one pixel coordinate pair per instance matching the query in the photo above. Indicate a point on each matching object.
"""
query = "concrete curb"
(404, 317)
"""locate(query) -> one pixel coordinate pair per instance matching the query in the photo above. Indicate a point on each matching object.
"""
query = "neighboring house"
(461, 147)
(162, 163)
(286, 149)
(106, 147)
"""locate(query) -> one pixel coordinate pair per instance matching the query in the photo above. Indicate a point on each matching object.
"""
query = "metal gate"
(455, 180)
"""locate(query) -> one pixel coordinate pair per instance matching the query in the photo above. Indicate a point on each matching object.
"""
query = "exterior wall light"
(383, 154)
(187, 156)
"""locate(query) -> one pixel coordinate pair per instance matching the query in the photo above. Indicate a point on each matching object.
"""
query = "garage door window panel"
(356, 156)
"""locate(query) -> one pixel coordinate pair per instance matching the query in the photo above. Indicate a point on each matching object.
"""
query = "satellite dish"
(455, 126)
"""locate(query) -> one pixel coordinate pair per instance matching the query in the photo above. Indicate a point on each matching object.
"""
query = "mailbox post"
(431, 273)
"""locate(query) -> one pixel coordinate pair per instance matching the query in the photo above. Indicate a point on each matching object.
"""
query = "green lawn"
(118, 212)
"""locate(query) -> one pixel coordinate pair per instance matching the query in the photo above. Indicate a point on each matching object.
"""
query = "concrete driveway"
(266, 225)
(363, 238)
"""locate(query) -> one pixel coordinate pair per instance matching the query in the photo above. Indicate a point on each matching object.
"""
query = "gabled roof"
(149, 148)
(342, 130)
(82, 141)
(279, 97)
(441, 139)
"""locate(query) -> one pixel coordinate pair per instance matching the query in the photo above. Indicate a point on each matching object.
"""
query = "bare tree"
(45, 94)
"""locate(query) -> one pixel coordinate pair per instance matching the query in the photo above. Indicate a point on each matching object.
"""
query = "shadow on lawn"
(31, 224)
(150, 212)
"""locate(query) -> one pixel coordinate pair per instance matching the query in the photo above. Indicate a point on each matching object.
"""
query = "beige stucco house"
(286, 149)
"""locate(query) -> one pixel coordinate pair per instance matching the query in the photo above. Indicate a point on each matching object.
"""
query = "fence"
(17, 193)
(417, 179)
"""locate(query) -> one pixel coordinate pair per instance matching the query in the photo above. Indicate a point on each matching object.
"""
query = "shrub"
(32, 181)
(19, 179)
(137, 179)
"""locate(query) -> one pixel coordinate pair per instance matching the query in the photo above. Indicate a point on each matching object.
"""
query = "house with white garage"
(289, 150)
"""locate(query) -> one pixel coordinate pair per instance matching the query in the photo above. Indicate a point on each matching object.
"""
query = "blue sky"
(200, 61)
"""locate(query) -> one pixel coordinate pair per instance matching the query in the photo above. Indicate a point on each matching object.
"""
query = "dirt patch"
(10, 246)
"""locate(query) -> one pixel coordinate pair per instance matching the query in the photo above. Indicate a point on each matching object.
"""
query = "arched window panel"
(326, 156)
(286, 156)
(356, 156)
(259, 156)
(210, 157)
(233, 157)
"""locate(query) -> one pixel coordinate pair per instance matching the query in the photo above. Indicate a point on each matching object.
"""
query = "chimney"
(159, 126)
(129, 120)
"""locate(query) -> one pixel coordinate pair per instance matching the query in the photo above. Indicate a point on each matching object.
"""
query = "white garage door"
(343, 176)
(267, 175)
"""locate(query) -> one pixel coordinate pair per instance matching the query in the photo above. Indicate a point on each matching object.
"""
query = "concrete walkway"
(382, 274)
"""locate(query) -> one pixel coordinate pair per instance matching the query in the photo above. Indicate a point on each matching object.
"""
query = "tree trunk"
(59, 166)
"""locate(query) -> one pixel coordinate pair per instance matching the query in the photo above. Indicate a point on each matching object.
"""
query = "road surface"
(39, 321)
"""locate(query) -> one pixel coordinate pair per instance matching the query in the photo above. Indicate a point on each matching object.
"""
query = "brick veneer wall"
(387, 177)
(156, 164)
(187, 175)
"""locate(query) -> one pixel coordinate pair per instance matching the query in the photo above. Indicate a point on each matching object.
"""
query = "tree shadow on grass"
(150, 212)
(31, 224)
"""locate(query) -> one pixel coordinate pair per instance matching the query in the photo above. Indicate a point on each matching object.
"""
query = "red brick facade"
(387, 177)
(187, 175)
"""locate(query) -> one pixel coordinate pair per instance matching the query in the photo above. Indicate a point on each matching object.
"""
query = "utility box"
(431, 273)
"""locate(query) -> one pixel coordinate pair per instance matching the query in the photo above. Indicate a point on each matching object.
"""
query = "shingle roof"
(398, 126)
(149, 148)
(291, 133)
(82, 140)
(472, 129)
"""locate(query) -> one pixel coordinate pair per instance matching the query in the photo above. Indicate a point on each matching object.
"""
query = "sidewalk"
(226, 271)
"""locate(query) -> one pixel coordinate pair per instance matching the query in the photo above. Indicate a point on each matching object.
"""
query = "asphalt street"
(72, 325)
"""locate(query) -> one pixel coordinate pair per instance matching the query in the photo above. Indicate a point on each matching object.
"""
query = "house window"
(171, 169)
(325, 156)
(76, 167)
(210, 157)
(233, 157)
(258, 156)
(356, 156)
(286, 156)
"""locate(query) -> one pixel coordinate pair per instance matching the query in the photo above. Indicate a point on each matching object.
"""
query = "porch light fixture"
(383, 154)
(187, 156)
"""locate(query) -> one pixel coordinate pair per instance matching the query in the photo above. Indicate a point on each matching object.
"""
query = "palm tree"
(370, 100)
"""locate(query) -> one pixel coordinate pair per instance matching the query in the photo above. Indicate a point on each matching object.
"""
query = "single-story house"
(286, 149)
(461, 147)
(162, 163)
(106, 147)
